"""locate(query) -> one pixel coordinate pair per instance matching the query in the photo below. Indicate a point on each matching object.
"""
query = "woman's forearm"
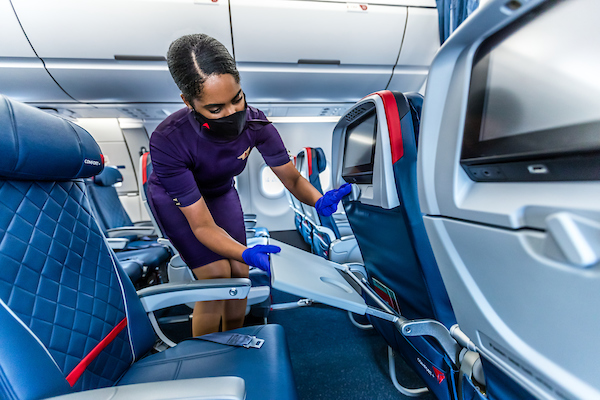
(219, 241)
(304, 191)
(297, 184)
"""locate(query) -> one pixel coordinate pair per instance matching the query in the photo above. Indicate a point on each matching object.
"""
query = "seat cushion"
(267, 371)
(151, 257)
(133, 269)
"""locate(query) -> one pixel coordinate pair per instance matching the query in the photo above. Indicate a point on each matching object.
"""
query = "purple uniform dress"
(189, 164)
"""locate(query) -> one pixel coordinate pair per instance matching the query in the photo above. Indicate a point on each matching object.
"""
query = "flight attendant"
(195, 153)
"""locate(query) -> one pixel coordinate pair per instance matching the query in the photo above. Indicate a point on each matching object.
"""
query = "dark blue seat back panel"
(400, 263)
(394, 242)
(499, 386)
(385, 245)
(405, 174)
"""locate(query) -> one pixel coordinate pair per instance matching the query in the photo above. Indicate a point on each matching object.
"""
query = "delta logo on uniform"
(245, 154)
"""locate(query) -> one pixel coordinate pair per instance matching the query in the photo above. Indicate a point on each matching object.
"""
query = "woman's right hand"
(258, 256)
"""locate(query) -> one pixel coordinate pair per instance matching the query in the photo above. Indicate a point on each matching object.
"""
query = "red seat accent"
(309, 160)
(83, 364)
(393, 122)
(144, 167)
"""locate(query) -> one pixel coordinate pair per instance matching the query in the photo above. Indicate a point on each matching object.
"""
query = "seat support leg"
(405, 391)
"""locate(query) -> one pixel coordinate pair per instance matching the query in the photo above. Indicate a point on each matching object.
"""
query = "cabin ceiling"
(149, 112)
(64, 59)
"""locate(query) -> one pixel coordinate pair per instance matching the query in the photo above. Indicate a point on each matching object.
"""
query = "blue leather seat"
(117, 225)
(111, 214)
(71, 320)
(397, 254)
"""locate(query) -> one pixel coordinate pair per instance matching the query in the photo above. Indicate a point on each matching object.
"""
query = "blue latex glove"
(327, 204)
(258, 256)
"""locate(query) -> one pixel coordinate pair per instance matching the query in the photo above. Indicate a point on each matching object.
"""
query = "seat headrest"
(320, 159)
(40, 146)
(108, 177)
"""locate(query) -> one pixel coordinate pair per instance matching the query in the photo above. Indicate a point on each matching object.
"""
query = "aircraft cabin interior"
(463, 264)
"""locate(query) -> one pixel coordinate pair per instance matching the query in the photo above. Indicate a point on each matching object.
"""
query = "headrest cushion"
(320, 159)
(108, 177)
(40, 146)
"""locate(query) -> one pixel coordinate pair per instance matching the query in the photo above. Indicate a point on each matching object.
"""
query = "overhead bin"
(421, 43)
(22, 73)
(114, 50)
(316, 50)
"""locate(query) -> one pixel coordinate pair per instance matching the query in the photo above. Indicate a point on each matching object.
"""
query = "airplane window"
(270, 185)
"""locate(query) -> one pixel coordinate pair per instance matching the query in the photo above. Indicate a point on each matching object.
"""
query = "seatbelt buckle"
(254, 343)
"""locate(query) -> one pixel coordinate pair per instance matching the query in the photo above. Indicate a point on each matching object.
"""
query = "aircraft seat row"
(71, 320)
(329, 237)
(375, 148)
(135, 242)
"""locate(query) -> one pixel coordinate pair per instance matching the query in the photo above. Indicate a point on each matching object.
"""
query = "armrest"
(170, 294)
(143, 223)
(131, 230)
(325, 230)
(221, 388)
(117, 243)
(345, 250)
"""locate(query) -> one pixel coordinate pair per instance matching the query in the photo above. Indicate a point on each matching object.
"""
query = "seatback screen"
(535, 96)
(359, 150)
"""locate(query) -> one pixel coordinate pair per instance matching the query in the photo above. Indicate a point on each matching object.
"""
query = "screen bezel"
(363, 173)
(546, 146)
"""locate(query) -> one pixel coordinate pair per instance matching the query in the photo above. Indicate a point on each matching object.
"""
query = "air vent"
(358, 112)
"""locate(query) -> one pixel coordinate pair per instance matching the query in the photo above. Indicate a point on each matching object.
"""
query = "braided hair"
(193, 58)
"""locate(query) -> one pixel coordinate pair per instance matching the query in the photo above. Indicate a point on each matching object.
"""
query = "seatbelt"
(233, 339)
(466, 369)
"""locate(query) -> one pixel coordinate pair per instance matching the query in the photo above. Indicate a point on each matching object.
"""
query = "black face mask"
(227, 128)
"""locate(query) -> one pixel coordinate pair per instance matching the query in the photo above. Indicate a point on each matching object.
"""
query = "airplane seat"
(509, 182)
(331, 238)
(295, 205)
(110, 211)
(127, 239)
(378, 136)
(303, 226)
(259, 300)
(72, 323)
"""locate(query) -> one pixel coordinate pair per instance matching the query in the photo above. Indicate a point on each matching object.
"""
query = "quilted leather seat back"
(66, 321)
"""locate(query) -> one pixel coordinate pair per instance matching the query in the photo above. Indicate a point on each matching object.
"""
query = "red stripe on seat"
(393, 122)
(144, 168)
(309, 160)
(83, 364)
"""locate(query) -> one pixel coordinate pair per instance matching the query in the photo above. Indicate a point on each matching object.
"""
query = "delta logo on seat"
(436, 373)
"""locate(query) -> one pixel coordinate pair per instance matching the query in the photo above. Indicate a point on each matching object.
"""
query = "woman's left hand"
(258, 256)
